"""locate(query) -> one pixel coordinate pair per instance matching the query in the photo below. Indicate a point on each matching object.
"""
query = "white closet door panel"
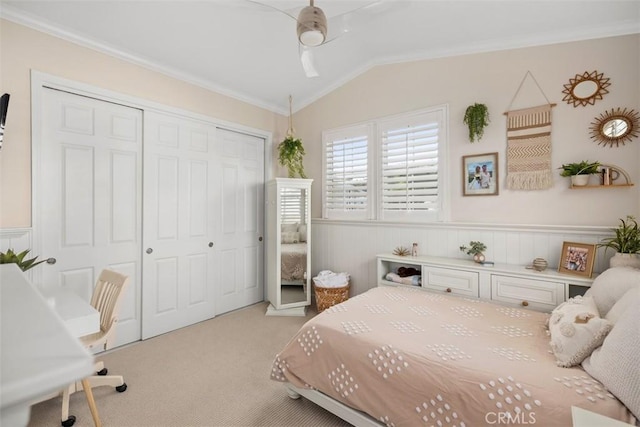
(242, 226)
(89, 186)
(178, 224)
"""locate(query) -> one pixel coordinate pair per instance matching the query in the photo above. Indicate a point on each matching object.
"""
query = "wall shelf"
(621, 173)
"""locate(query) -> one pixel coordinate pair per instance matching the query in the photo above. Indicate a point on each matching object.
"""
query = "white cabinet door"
(87, 213)
(179, 220)
(459, 282)
(240, 229)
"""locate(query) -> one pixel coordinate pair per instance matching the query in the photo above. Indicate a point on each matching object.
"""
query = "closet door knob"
(260, 239)
(51, 261)
(210, 244)
(149, 250)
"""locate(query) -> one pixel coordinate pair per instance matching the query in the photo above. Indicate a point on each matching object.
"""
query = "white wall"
(493, 79)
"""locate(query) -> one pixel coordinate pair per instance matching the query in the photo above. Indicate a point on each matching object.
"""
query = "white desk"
(78, 315)
(38, 355)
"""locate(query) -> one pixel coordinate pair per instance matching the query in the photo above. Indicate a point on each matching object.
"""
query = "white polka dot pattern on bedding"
(406, 327)
(342, 382)
(512, 331)
(466, 311)
(378, 309)
(387, 361)
(513, 312)
(459, 330)
(448, 352)
(591, 389)
(437, 412)
(310, 341)
(509, 395)
(355, 327)
(512, 354)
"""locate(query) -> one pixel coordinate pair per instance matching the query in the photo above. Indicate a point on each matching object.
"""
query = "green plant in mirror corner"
(476, 117)
(290, 155)
(475, 248)
(626, 239)
(10, 257)
(584, 167)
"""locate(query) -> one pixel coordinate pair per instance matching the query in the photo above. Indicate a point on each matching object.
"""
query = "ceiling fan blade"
(306, 57)
(347, 22)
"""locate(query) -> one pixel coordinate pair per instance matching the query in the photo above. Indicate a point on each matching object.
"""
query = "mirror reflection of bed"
(293, 248)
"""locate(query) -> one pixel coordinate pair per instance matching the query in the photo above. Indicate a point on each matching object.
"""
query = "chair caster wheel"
(69, 421)
(121, 388)
(102, 372)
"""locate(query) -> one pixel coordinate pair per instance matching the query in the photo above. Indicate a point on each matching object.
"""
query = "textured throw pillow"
(303, 232)
(610, 285)
(616, 364)
(290, 237)
(622, 305)
(576, 329)
(289, 227)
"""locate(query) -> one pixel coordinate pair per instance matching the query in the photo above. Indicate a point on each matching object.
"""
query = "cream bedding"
(409, 357)
(293, 261)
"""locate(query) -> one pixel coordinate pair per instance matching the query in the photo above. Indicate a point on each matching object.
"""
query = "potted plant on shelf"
(10, 257)
(476, 117)
(626, 243)
(580, 171)
(476, 249)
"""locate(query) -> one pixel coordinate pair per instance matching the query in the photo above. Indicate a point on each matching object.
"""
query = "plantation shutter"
(409, 167)
(291, 209)
(346, 186)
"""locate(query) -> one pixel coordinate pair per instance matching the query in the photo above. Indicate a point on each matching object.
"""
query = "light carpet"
(214, 373)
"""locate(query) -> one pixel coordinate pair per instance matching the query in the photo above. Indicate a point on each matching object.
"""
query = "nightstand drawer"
(536, 294)
(459, 282)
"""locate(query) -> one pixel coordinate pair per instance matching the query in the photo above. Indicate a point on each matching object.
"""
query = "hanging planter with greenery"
(291, 151)
(477, 118)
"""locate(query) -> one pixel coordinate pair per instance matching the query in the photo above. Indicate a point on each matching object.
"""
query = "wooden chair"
(105, 299)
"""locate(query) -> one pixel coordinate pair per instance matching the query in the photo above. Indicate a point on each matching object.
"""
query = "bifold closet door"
(88, 207)
(179, 220)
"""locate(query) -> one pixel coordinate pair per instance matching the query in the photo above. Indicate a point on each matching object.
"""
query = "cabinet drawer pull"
(525, 303)
(448, 289)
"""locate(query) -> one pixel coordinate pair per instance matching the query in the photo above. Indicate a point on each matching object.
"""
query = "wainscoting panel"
(352, 246)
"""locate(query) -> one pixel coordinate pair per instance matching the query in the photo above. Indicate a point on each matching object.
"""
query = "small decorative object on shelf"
(477, 118)
(579, 172)
(610, 176)
(414, 250)
(401, 251)
(540, 264)
(476, 249)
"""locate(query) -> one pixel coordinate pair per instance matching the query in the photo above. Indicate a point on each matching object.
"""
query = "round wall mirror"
(615, 127)
(586, 88)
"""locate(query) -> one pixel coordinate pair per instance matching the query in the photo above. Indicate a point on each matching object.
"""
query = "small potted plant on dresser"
(476, 249)
(626, 243)
(579, 172)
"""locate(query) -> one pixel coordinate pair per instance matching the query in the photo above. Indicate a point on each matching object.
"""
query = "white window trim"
(374, 209)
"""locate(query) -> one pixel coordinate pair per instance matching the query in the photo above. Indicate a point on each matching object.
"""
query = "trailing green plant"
(290, 155)
(10, 257)
(626, 239)
(476, 117)
(584, 167)
(474, 248)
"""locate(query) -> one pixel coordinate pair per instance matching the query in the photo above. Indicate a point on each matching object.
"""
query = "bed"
(402, 356)
(293, 263)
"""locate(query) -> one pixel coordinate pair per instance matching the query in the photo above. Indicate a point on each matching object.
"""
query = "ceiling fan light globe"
(312, 26)
(312, 38)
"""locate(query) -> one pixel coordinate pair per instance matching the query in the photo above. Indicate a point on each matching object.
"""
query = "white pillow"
(616, 364)
(290, 237)
(303, 232)
(288, 227)
(609, 286)
(622, 305)
(576, 329)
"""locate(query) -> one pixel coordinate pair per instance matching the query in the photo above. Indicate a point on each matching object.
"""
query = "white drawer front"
(527, 292)
(449, 280)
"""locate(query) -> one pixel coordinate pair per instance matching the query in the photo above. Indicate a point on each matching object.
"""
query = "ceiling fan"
(314, 29)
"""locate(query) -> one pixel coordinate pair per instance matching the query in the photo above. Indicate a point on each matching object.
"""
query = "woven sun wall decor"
(529, 148)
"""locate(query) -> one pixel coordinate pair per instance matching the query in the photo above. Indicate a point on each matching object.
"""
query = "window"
(387, 169)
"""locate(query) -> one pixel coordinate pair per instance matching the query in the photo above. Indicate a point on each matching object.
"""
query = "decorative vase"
(579, 180)
(540, 264)
(625, 260)
(478, 257)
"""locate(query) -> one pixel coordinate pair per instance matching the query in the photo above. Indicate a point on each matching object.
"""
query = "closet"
(289, 246)
(173, 200)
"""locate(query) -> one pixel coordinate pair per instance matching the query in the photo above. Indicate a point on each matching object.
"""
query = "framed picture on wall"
(480, 175)
(577, 258)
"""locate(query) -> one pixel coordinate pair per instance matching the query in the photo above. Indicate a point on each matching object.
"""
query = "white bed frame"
(350, 415)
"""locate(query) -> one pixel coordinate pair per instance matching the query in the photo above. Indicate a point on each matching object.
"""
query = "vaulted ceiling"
(249, 49)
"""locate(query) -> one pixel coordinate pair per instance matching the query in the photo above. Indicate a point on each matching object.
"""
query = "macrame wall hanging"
(529, 145)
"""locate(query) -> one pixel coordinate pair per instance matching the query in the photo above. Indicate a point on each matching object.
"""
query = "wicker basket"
(328, 297)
